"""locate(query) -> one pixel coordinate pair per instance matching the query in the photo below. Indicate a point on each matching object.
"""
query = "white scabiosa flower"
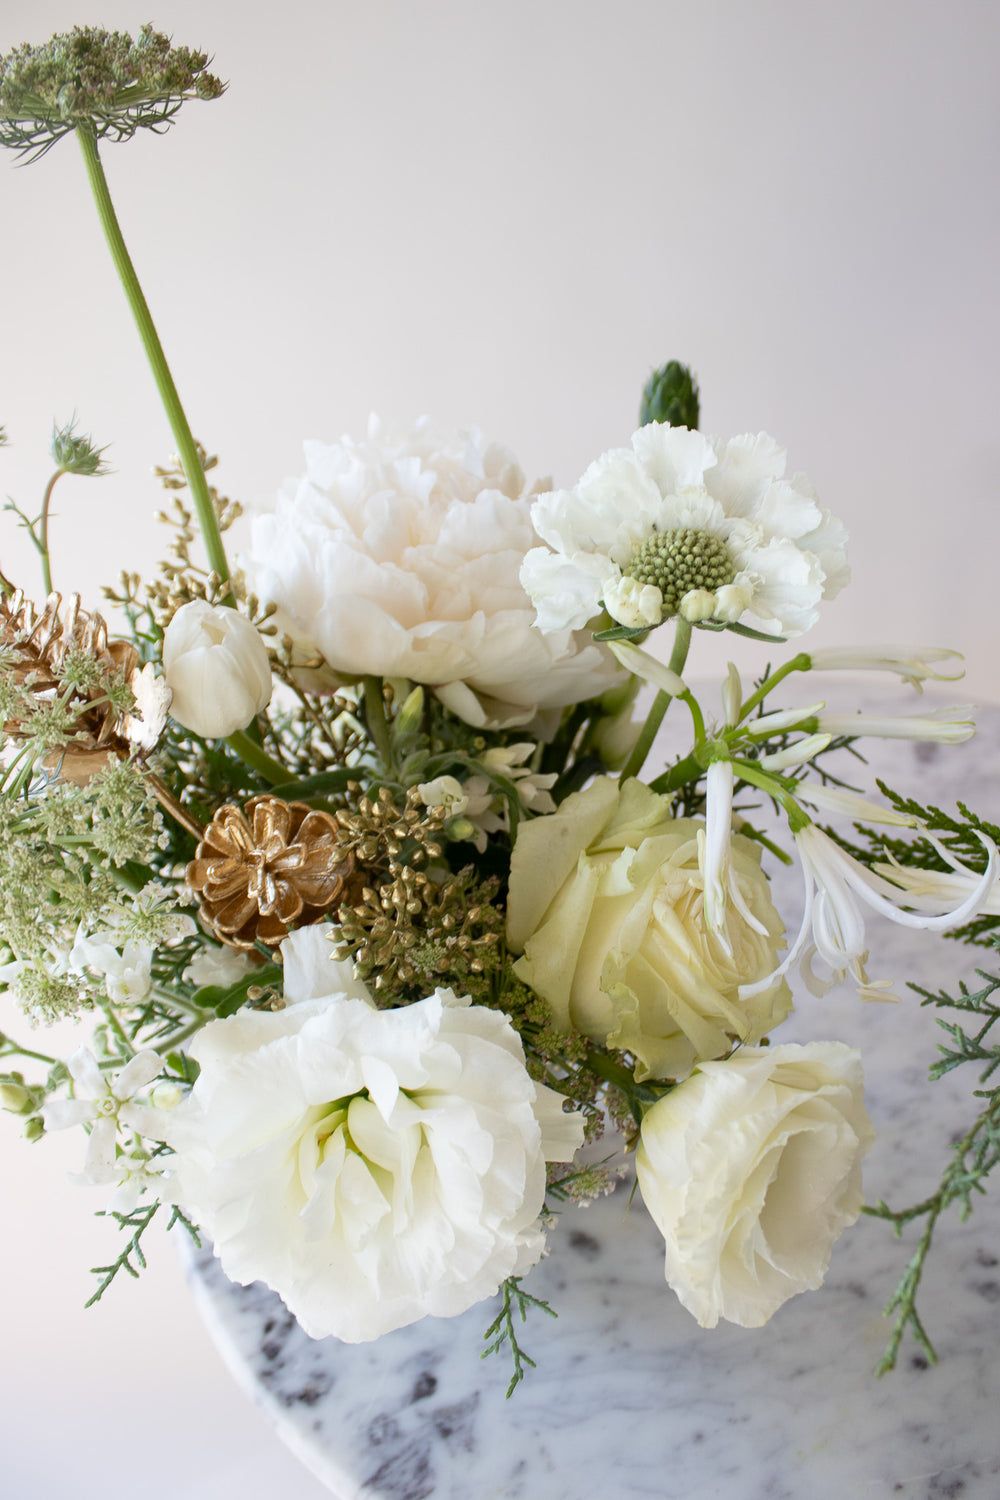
(399, 556)
(682, 524)
(371, 1166)
(216, 666)
(751, 1169)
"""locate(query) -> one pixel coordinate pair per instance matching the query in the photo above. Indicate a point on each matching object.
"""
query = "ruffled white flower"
(371, 1166)
(399, 556)
(106, 1102)
(152, 703)
(751, 1169)
(837, 887)
(690, 525)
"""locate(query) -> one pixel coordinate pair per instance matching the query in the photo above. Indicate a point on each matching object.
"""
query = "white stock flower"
(751, 1169)
(152, 703)
(685, 524)
(608, 904)
(914, 664)
(836, 889)
(399, 556)
(222, 966)
(126, 973)
(105, 1101)
(216, 666)
(371, 1166)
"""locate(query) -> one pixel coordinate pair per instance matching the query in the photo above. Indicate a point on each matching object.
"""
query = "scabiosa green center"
(680, 560)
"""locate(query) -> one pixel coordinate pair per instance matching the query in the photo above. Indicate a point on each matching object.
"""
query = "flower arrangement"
(346, 849)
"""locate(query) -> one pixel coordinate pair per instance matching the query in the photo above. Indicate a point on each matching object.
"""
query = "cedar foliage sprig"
(503, 1331)
(138, 1221)
(972, 1158)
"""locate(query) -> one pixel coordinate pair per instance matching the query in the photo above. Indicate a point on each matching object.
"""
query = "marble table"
(630, 1397)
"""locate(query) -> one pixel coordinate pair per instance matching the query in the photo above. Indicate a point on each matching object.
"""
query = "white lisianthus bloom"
(682, 524)
(609, 907)
(399, 556)
(371, 1166)
(216, 666)
(836, 889)
(751, 1169)
(914, 664)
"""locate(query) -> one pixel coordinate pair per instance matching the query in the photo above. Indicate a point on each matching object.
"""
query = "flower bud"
(34, 1129)
(670, 395)
(15, 1098)
(166, 1095)
(216, 666)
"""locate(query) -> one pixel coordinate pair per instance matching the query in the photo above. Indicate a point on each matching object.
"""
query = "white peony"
(399, 556)
(370, 1166)
(751, 1169)
(685, 524)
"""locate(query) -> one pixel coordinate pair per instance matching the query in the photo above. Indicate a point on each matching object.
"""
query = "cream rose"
(752, 1169)
(607, 905)
(371, 1166)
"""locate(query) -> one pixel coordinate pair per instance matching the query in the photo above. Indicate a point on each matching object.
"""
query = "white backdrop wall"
(503, 215)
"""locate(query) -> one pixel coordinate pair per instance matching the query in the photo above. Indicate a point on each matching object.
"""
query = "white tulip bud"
(215, 664)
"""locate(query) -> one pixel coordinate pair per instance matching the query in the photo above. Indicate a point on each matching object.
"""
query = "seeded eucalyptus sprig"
(98, 85)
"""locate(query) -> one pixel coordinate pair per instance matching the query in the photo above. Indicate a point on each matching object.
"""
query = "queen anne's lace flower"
(690, 525)
(400, 557)
(371, 1166)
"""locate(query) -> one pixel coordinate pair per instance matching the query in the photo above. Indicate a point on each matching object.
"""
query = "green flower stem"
(776, 788)
(679, 775)
(257, 759)
(378, 724)
(800, 663)
(11, 1049)
(186, 449)
(643, 745)
(43, 533)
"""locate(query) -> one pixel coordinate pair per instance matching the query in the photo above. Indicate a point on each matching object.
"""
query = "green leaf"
(308, 788)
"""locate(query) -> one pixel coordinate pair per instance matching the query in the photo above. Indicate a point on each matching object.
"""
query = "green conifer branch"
(502, 1330)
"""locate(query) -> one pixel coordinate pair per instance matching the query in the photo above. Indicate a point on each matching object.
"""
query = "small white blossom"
(126, 974)
(152, 703)
(106, 1102)
(478, 800)
(217, 966)
(795, 755)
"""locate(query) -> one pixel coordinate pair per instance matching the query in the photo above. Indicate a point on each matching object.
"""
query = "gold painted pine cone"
(259, 872)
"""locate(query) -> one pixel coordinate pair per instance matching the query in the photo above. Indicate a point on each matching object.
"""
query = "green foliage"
(75, 452)
(132, 1258)
(670, 395)
(972, 1158)
(503, 1331)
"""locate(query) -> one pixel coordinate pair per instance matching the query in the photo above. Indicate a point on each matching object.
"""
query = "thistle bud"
(670, 395)
(215, 664)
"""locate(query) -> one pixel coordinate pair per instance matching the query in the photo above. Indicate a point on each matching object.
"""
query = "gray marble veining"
(630, 1397)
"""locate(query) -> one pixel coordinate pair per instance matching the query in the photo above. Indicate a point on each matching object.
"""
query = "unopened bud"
(409, 716)
(166, 1095)
(670, 395)
(15, 1098)
(34, 1129)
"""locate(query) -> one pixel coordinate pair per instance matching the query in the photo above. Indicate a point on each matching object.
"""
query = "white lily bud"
(795, 755)
(634, 659)
(216, 666)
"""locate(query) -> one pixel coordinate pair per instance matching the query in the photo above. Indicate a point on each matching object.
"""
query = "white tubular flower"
(795, 755)
(913, 663)
(715, 859)
(944, 726)
(839, 799)
(732, 696)
(785, 718)
(400, 555)
(929, 890)
(107, 1104)
(641, 664)
(682, 524)
(216, 666)
(371, 1166)
(836, 888)
(751, 1169)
